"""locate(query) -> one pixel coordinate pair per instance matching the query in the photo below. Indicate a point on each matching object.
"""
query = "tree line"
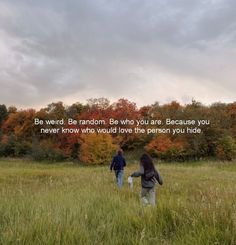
(20, 137)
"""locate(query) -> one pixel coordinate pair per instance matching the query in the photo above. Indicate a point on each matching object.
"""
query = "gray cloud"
(143, 50)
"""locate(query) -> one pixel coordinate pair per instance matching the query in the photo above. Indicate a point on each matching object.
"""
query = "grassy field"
(70, 204)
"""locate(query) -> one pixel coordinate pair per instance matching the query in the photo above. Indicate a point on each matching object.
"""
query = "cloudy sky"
(145, 51)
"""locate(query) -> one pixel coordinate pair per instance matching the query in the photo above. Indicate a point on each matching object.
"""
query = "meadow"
(66, 203)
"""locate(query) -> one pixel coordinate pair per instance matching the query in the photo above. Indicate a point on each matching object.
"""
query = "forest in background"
(20, 137)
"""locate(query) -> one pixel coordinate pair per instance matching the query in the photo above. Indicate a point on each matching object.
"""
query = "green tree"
(3, 113)
(226, 148)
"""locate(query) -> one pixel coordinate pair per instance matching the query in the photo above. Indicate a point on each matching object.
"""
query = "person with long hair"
(150, 176)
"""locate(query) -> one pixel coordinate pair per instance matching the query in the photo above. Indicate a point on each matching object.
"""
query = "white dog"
(130, 182)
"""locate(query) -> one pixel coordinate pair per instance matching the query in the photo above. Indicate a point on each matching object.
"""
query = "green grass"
(69, 204)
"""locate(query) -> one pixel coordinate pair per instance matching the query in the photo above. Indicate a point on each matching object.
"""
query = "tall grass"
(68, 204)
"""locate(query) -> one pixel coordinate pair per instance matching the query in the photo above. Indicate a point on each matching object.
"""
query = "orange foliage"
(20, 123)
(18, 131)
(162, 144)
(67, 141)
(96, 148)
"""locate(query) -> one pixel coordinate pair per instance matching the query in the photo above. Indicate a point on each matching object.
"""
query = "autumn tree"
(121, 110)
(163, 147)
(19, 136)
(56, 110)
(74, 110)
(96, 148)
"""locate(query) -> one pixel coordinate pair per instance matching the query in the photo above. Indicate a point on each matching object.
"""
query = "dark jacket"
(147, 183)
(118, 163)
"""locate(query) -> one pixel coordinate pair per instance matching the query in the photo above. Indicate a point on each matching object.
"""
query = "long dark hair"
(147, 162)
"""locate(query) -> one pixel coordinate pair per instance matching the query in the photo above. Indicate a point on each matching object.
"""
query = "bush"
(164, 148)
(96, 148)
(226, 148)
(7, 146)
(46, 150)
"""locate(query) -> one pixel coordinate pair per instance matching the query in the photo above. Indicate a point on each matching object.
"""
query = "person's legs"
(116, 174)
(144, 196)
(152, 196)
(120, 178)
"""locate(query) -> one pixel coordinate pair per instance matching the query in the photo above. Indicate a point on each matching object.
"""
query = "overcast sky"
(145, 51)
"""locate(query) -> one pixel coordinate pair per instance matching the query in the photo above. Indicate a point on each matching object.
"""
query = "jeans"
(148, 196)
(119, 177)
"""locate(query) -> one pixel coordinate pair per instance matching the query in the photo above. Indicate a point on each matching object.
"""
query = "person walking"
(118, 163)
(149, 177)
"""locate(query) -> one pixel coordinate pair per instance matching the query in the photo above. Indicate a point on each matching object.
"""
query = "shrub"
(226, 148)
(46, 150)
(164, 148)
(96, 148)
(7, 146)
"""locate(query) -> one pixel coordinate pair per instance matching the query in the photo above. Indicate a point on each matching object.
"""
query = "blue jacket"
(118, 163)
